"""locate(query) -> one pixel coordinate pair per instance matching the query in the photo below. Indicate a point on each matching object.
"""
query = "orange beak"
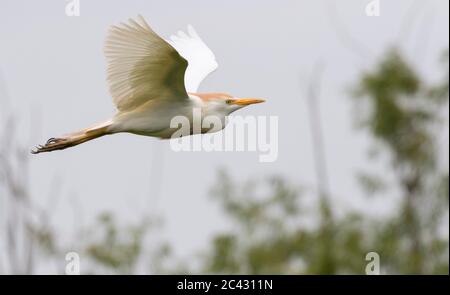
(247, 101)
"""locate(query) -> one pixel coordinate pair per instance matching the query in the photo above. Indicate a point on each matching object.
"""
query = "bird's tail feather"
(73, 139)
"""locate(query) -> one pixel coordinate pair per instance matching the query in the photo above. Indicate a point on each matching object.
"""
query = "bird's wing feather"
(200, 58)
(142, 66)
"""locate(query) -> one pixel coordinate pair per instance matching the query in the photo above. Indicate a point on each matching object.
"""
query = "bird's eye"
(229, 101)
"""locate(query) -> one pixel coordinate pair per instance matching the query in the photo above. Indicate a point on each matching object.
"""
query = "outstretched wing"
(142, 66)
(201, 59)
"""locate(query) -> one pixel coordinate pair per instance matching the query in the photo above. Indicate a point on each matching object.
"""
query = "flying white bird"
(151, 81)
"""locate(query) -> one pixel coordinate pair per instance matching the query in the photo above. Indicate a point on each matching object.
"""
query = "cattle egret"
(151, 81)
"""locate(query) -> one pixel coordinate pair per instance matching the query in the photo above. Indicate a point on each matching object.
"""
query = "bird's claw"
(47, 146)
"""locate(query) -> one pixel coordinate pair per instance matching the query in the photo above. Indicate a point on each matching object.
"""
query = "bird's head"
(225, 103)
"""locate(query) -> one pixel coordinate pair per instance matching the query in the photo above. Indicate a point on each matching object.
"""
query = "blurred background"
(362, 102)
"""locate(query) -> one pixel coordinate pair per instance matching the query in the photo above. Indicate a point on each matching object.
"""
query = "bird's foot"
(51, 145)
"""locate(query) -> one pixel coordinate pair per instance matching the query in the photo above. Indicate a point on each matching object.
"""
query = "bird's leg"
(73, 139)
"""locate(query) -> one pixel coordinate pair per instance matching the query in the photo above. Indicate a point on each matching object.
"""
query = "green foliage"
(118, 248)
(274, 233)
(405, 117)
(371, 183)
(402, 111)
(271, 235)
